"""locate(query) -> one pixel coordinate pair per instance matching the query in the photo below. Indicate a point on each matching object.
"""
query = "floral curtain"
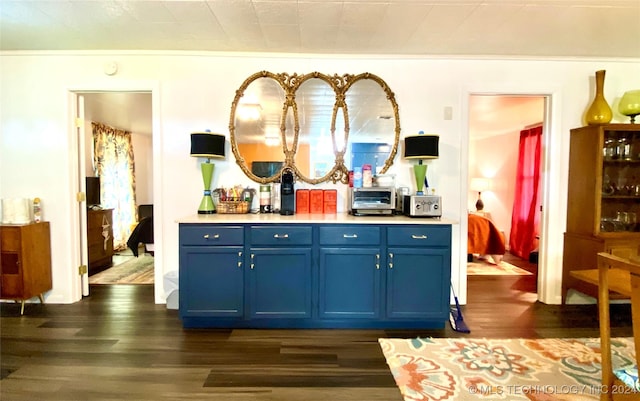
(525, 219)
(113, 161)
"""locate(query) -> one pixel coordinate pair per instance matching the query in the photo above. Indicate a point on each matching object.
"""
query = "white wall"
(192, 92)
(500, 155)
(143, 159)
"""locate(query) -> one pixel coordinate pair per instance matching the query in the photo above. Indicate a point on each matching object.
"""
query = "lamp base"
(479, 203)
(207, 206)
(420, 172)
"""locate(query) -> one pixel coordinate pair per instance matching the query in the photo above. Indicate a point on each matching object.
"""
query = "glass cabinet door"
(620, 195)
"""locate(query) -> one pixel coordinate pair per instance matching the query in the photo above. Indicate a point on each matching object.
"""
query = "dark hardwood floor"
(118, 345)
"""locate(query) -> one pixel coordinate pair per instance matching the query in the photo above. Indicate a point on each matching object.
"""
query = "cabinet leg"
(41, 298)
(22, 308)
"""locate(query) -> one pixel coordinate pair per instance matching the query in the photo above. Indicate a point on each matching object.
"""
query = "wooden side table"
(25, 261)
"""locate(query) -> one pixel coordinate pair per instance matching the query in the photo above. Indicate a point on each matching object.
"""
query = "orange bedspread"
(484, 238)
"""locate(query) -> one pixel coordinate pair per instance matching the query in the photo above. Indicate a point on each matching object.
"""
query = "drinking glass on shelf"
(615, 149)
(609, 148)
(618, 222)
(624, 151)
(630, 222)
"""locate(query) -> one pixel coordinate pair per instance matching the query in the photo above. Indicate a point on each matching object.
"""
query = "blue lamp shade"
(421, 146)
(207, 144)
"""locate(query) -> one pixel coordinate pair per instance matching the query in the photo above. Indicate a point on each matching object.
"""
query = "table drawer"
(350, 235)
(212, 235)
(281, 235)
(419, 236)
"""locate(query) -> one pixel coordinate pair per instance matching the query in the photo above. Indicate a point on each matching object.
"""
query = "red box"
(316, 201)
(330, 200)
(302, 201)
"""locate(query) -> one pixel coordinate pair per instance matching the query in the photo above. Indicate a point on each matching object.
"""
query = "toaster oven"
(372, 200)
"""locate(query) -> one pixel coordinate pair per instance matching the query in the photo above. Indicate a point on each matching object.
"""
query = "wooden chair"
(622, 276)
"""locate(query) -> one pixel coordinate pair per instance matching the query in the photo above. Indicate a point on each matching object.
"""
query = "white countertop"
(341, 218)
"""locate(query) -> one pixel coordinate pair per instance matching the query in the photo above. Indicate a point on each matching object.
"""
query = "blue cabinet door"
(349, 283)
(280, 283)
(211, 281)
(418, 283)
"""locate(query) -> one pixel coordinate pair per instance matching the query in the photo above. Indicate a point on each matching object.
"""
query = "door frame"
(550, 244)
(78, 222)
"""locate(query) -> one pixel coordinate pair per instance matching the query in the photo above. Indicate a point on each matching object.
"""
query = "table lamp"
(209, 145)
(479, 185)
(421, 146)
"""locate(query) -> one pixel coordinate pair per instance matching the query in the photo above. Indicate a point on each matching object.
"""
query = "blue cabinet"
(280, 283)
(211, 272)
(280, 271)
(349, 283)
(417, 283)
(417, 286)
(349, 272)
(315, 275)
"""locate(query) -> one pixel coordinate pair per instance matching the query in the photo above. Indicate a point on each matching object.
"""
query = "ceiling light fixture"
(249, 111)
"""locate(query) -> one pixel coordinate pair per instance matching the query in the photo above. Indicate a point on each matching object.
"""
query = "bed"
(484, 238)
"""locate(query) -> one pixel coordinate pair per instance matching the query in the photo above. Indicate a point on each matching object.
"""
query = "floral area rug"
(137, 270)
(491, 369)
(483, 267)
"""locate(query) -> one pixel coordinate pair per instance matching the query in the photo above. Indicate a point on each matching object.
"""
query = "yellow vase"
(599, 112)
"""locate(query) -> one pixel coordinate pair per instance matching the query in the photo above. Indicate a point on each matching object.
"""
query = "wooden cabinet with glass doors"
(603, 199)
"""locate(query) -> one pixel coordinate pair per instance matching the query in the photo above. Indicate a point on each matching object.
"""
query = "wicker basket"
(230, 207)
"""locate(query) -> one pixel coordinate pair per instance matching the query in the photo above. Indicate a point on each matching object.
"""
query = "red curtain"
(525, 218)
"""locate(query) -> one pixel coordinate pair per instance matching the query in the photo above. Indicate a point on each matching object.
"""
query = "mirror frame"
(290, 83)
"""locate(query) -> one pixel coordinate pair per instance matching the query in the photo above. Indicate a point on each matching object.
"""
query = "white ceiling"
(558, 28)
(512, 28)
(128, 111)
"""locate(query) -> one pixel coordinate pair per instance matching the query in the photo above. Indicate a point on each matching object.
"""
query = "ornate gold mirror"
(319, 126)
(373, 123)
(256, 140)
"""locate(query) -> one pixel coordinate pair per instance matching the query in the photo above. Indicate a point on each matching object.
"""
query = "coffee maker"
(287, 193)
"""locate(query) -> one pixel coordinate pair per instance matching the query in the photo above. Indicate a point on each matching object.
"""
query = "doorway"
(495, 123)
(128, 111)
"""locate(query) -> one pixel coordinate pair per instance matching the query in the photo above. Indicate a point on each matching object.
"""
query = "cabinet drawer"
(97, 250)
(211, 235)
(10, 239)
(419, 236)
(281, 235)
(350, 235)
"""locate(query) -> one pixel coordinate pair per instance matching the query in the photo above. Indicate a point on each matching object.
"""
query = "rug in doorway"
(482, 267)
(449, 369)
(134, 271)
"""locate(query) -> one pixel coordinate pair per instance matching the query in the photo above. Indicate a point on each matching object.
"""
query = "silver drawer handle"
(215, 236)
(350, 236)
(281, 236)
(419, 236)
